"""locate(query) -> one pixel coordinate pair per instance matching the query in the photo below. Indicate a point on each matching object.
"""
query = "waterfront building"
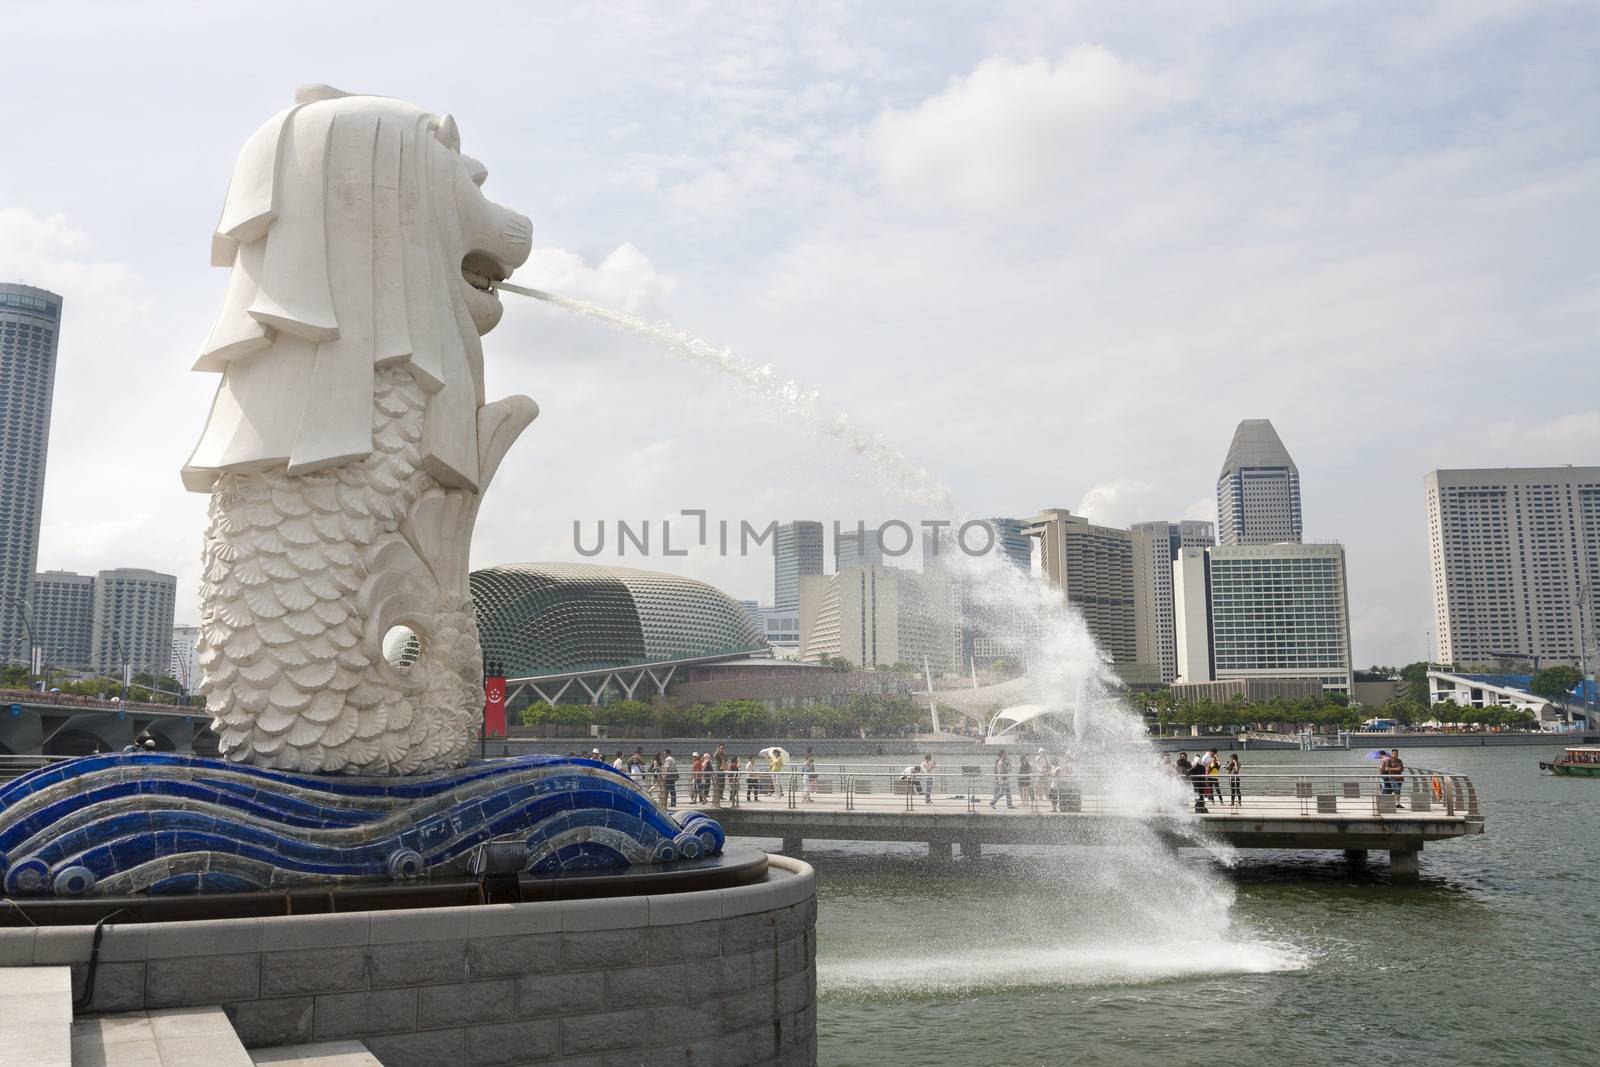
(63, 618)
(132, 622)
(1010, 543)
(1270, 611)
(30, 321)
(1258, 491)
(782, 628)
(1167, 540)
(573, 630)
(1514, 554)
(185, 656)
(876, 616)
(1106, 574)
(796, 554)
(859, 547)
(1249, 690)
(1474, 690)
(1191, 616)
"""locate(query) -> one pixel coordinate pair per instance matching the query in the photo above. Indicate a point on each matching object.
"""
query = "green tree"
(1555, 684)
(1414, 684)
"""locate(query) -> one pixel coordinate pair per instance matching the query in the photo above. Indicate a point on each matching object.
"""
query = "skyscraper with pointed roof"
(1258, 491)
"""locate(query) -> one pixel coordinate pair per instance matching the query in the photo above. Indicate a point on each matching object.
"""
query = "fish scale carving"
(291, 672)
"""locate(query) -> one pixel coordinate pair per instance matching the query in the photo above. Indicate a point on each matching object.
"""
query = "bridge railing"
(12, 766)
(1281, 791)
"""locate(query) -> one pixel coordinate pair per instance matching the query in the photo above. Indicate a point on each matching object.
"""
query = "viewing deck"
(1348, 809)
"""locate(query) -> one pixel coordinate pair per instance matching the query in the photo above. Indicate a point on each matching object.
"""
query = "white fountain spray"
(1127, 910)
(785, 394)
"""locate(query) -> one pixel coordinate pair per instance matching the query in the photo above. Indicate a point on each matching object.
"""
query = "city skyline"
(837, 209)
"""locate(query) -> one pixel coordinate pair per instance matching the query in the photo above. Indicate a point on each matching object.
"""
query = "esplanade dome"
(538, 619)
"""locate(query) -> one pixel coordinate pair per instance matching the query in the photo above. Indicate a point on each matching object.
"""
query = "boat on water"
(1582, 762)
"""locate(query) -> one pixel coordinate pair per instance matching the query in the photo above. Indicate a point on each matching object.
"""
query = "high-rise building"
(1515, 557)
(872, 616)
(1012, 544)
(796, 553)
(1258, 491)
(133, 620)
(63, 617)
(30, 321)
(1167, 539)
(1106, 574)
(1005, 540)
(1270, 611)
(782, 628)
(1191, 615)
(186, 656)
(860, 547)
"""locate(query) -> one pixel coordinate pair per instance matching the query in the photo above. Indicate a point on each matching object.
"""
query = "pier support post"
(940, 850)
(1356, 858)
(792, 846)
(1403, 863)
(971, 849)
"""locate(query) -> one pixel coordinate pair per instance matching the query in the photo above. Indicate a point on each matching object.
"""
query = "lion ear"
(448, 135)
(312, 94)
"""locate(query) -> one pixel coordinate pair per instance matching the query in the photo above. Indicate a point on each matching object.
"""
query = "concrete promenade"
(1347, 814)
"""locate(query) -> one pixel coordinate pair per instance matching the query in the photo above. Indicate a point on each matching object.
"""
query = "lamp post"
(27, 625)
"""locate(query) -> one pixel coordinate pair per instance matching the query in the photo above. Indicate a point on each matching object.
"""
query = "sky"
(1051, 253)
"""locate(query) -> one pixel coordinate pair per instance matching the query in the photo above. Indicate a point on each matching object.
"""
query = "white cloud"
(1012, 131)
(1120, 502)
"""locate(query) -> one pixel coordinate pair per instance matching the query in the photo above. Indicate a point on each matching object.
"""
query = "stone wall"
(722, 976)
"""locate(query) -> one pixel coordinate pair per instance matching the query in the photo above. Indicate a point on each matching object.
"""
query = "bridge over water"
(1346, 809)
(36, 724)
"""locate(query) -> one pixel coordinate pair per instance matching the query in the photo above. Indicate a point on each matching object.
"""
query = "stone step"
(36, 1016)
(169, 1037)
(322, 1054)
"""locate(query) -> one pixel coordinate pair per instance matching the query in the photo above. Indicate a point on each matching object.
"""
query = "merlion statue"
(349, 443)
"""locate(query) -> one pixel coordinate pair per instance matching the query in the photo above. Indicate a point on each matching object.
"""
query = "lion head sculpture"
(359, 238)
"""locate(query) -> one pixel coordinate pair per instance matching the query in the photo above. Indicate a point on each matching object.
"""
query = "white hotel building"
(1515, 559)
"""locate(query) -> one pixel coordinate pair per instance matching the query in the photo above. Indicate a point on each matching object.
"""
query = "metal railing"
(1274, 792)
(16, 766)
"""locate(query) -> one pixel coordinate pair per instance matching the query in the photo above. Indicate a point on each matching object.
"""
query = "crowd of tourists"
(1040, 778)
(1206, 774)
(717, 777)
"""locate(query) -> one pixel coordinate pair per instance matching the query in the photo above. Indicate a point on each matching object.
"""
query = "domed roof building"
(539, 620)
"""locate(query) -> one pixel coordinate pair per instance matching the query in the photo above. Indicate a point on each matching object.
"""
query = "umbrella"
(780, 750)
(1376, 753)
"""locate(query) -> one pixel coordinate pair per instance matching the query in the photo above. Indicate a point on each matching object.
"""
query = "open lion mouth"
(482, 271)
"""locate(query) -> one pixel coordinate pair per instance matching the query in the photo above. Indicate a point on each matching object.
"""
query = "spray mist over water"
(1128, 910)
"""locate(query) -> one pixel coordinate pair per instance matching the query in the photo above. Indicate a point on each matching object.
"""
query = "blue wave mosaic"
(112, 825)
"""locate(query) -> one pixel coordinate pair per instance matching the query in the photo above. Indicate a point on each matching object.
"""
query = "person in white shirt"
(928, 765)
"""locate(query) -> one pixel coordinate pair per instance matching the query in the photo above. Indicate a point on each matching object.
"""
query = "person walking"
(811, 775)
(719, 771)
(1235, 796)
(775, 764)
(1053, 785)
(1002, 780)
(733, 781)
(1397, 775)
(669, 779)
(752, 780)
(1025, 778)
(928, 766)
(653, 781)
